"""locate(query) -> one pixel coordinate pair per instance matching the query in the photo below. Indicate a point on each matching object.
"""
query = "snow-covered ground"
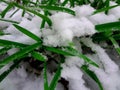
(65, 29)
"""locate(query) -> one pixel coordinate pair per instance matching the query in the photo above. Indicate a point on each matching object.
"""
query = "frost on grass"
(65, 29)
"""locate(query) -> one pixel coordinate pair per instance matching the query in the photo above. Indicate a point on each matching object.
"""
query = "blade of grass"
(55, 78)
(50, 2)
(1, 33)
(58, 51)
(28, 33)
(100, 37)
(104, 9)
(84, 57)
(107, 2)
(4, 50)
(43, 21)
(11, 21)
(115, 44)
(38, 56)
(3, 13)
(12, 67)
(11, 43)
(46, 87)
(72, 3)
(34, 12)
(56, 8)
(113, 26)
(92, 75)
(64, 3)
(19, 54)
(70, 52)
(116, 37)
(14, 12)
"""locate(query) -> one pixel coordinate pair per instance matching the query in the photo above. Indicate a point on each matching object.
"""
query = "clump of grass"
(105, 32)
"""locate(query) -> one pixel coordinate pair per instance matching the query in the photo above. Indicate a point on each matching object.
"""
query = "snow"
(76, 26)
(74, 76)
(19, 79)
(18, 36)
(109, 73)
(84, 11)
(115, 11)
(101, 18)
(65, 29)
(2, 6)
(12, 51)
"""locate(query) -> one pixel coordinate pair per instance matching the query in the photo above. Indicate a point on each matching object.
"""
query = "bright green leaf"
(92, 75)
(34, 12)
(4, 50)
(116, 45)
(7, 20)
(112, 26)
(46, 87)
(11, 43)
(12, 67)
(38, 56)
(56, 8)
(19, 54)
(104, 9)
(27, 32)
(55, 78)
(3, 13)
(71, 52)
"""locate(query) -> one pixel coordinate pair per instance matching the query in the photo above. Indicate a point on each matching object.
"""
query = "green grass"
(106, 32)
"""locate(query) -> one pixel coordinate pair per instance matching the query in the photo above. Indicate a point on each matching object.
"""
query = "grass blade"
(92, 75)
(56, 8)
(71, 52)
(100, 37)
(116, 37)
(11, 21)
(19, 54)
(34, 12)
(58, 51)
(115, 44)
(3, 13)
(113, 26)
(107, 2)
(38, 56)
(2, 33)
(104, 9)
(11, 43)
(64, 3)
(50, 2)
(4, 50)
(26, 32)
(46, 87)
(85, 58)
(55, 78)
(12, 67)
(72, 3)
(88, 60)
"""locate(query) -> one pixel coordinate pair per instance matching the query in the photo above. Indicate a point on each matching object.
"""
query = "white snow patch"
(101, 18)
(74, 76)
(84, 11)
(109, 74)
(115, 11)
